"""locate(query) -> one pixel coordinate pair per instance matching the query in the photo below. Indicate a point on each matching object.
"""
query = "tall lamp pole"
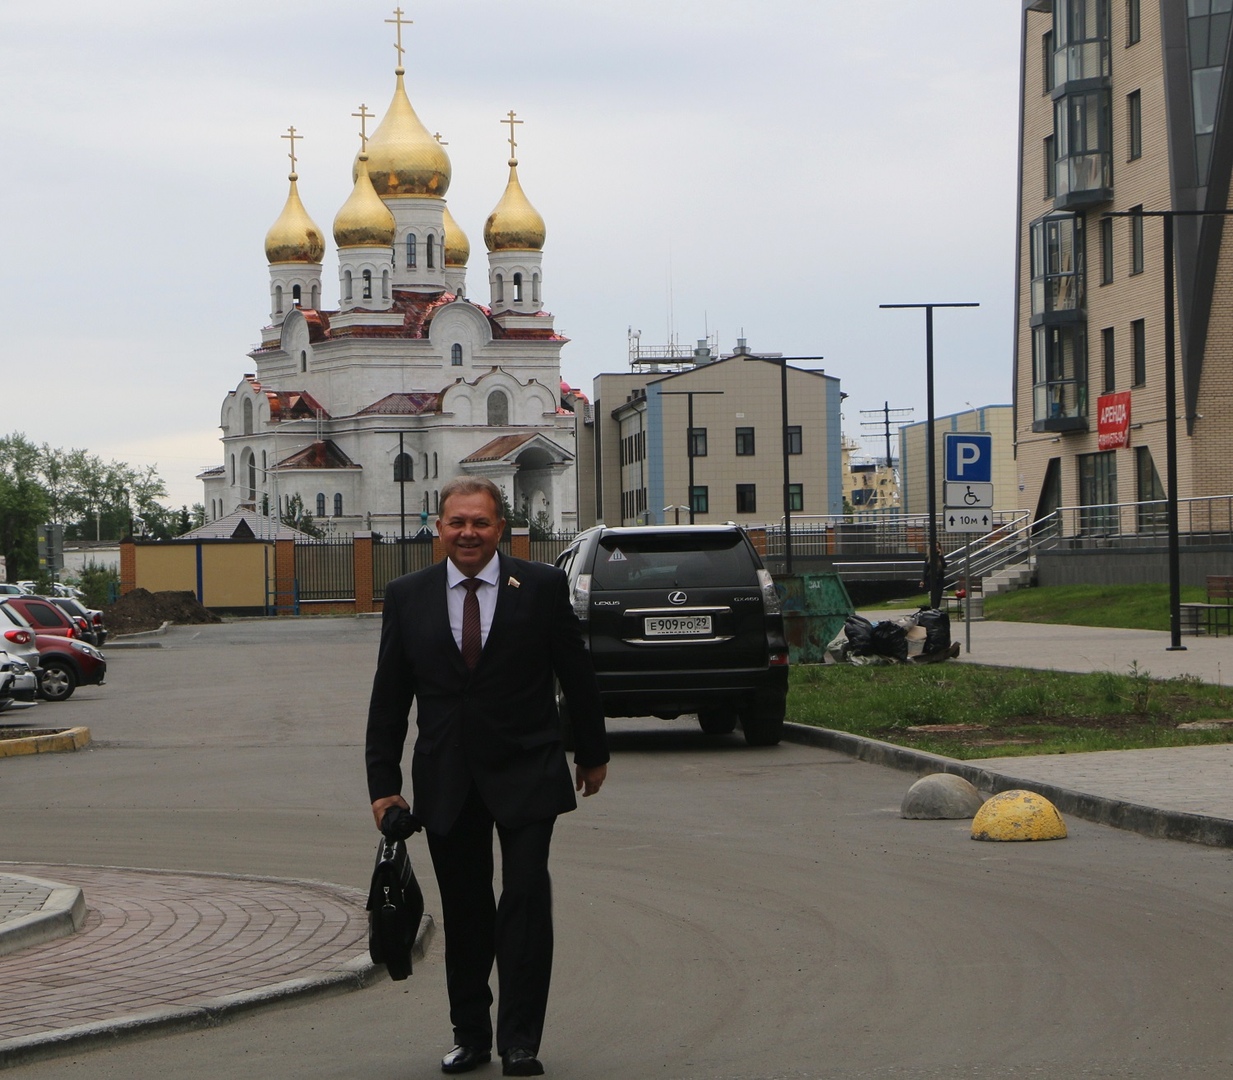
(1175, 574)
(689, 439)
(930, 443)
(782, 361)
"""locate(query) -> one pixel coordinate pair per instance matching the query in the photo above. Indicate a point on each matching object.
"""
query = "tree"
(23, 505)
(299, 518)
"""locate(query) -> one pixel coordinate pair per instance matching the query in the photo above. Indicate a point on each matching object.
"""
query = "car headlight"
(89, 650)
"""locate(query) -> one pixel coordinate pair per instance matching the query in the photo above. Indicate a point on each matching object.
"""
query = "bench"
(956, 606)
(1217, 613)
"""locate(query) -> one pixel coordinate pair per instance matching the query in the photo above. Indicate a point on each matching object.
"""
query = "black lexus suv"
(682, 619)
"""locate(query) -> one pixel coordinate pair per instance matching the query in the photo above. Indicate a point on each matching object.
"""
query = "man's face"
(470, 526)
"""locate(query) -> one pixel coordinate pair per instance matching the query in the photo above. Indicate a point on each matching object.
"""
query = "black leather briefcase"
(395, 907)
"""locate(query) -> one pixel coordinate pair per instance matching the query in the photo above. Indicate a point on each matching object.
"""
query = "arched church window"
(338, 504)
(456, 355)
(434, 464)
(404, 468)
(517, 288)
(436, 502)
(425, 465)
(410, 251)
(316, 297)
(278, 299)
(263, 462)
(367, 285)
(429, 244)
(347, 285)
(498, 409)
(295, 295)
(535, 288)
(385, 284)
(320, 504)
(248, 416)
(425, 502)
(250, 474)
(303, 359)
(500, 287)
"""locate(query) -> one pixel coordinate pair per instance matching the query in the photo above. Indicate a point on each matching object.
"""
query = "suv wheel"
(762, 729)
(717, 721)
(59, 680)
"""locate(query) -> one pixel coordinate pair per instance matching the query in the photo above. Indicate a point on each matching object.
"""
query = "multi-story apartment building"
(1125, 106)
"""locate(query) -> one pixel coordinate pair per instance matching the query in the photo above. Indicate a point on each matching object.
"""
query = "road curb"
(1134, 817)
(52, 741)
(355, 974)
(61, 913)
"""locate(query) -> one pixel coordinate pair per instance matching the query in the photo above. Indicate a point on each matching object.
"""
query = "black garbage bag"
(889, 639)
(858, 630)
(937, 629)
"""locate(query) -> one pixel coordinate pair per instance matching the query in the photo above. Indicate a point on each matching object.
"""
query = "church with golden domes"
(366, 410)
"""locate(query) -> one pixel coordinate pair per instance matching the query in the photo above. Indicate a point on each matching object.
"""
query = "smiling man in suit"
(475, 641)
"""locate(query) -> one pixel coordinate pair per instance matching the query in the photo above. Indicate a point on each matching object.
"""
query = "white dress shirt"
(456, 595)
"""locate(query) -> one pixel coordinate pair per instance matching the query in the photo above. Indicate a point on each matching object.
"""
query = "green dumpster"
(815, 607)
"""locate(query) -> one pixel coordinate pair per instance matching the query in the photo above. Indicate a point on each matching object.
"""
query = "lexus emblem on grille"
(677, 597)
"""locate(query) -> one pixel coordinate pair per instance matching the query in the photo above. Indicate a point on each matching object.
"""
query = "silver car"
(17, 638)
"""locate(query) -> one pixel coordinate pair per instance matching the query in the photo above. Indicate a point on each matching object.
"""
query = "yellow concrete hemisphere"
(1018, 815)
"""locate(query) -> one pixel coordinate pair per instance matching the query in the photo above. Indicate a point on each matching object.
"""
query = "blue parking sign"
(969, 457)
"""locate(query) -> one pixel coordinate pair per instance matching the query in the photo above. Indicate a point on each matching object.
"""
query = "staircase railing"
(1013, 543)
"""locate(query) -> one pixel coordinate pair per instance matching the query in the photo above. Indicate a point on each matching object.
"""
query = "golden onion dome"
(457, 246)
(294, 237)
(515, 225)
(364, 220)
(403, 159)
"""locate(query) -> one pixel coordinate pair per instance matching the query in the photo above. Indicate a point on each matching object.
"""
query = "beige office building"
(1126, 105)
(637, 446)
(994, 420)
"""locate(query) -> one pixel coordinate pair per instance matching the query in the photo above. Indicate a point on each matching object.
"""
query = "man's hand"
(588, 780)
(382, 805)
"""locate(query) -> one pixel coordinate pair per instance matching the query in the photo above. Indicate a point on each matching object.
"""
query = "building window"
(500, 288)
(1136, 240)
(794, 439)
(367, 293)
(1133, 26)
(338, 504)
(1150, 492)
(295, 295)
(1081, 40)
(1057, 263)
(1208, 35)
(535, 288)
(248, 416)
(498, 409)
(517, 288)
(1046, 62)
(1106, 251)
(385, 284)
(744, 442)
(434, 465)
(697, 442)
(303, 359)
(404, 468)
(1098, 493)
(1084, 172)
(1138, 339)
(321, 504)
(410, 251)
(1106, 355)
(1050, 155)
(1134, 126)
(699, 499)
(1059, 377)
(796, 498)
(456, 355)
(347, 293)
(746, 498)
(430, 251)
(278, 299)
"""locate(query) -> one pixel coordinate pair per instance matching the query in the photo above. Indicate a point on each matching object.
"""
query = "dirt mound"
(142, 610)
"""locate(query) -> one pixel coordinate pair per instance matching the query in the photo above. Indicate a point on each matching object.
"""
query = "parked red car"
(67, 664)
(43, 615)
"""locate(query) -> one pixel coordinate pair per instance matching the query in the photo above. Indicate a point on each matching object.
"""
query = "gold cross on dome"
(292, 136)
(511, 121)
(398, 22)
(437, 135)
(363, 116)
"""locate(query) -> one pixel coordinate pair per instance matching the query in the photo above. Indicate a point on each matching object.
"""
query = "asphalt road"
(722, 912)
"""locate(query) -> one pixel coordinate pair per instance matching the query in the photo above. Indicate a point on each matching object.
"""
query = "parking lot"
(722, 911)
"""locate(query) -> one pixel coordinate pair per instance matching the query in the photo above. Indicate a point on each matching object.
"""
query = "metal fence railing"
(547, 547)
(392, 557)
(324, 569)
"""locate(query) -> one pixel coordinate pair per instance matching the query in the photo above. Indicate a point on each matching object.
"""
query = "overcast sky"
(776, 169)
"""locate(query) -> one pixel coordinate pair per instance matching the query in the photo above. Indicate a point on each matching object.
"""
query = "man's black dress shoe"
(465, 1058)
(520, 1062)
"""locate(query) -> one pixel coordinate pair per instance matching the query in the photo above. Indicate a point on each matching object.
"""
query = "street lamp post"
(1175, 574)
(930, 463)
(782, 361)
(689, 438)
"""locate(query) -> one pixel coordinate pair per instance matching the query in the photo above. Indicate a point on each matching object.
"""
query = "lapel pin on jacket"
(513, 583)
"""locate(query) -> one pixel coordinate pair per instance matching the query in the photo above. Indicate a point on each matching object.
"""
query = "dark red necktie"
(472, 639)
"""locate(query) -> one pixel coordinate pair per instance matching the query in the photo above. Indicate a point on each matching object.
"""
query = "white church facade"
(366, 411)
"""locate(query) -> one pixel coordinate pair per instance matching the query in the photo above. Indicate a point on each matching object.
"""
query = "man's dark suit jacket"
(496, 725)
